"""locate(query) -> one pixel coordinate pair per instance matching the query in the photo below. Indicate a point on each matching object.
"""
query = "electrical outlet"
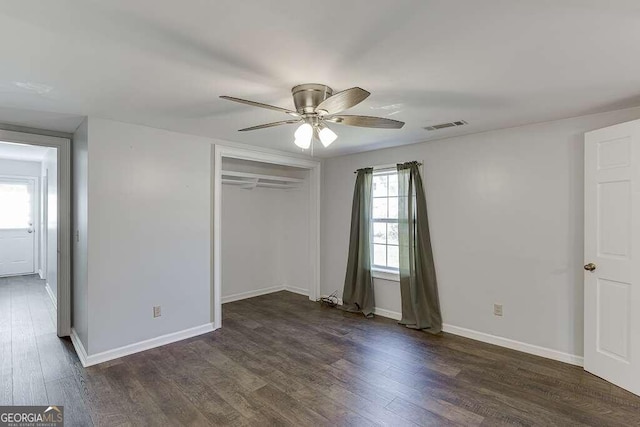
(156, 311)
(497, 309)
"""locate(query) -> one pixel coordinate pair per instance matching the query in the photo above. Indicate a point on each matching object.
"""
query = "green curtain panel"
(357, 295)
(418, 285)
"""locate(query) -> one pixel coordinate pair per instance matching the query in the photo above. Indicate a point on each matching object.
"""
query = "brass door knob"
(590, 267)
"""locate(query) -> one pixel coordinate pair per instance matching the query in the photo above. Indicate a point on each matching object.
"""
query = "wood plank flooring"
(36, 367)
(283, 360)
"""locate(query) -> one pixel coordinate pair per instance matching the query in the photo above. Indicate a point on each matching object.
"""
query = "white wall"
(79, 281)
(265, 238)
(506, 218)
(149, 233)
(50, 170)
(251, 230)
(295, 240)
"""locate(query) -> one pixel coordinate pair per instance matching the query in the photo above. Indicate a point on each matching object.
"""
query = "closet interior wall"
(265, 233)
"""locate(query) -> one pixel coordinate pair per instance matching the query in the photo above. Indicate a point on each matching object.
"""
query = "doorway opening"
(35, 242)
(28, 236)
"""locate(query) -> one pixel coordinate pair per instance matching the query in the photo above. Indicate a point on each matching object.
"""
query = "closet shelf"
(251, 180)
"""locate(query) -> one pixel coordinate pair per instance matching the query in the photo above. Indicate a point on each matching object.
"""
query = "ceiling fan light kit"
(316, 105)
(326, 135)
(303, 136)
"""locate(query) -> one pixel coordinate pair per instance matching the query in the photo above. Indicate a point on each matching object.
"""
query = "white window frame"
(390, 274)
(33, 181)
(381, 272)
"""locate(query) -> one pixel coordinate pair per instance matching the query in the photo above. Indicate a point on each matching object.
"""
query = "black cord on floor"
(331, 300)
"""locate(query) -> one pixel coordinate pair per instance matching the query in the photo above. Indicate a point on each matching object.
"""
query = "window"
(15, 199)
(384, 221)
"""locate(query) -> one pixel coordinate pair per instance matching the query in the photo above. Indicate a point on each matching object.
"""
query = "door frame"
(35, 212)
(44, 218)
(313, 166)
(63, 146)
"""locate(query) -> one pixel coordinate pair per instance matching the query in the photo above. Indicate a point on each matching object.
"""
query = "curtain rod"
(388, 166)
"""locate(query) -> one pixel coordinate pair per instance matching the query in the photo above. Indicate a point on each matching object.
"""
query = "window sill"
(393, 276)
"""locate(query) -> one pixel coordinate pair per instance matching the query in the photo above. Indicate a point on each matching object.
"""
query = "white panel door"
(612, 254)
(16, 226)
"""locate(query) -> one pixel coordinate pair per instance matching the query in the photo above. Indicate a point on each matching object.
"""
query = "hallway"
(36, 367)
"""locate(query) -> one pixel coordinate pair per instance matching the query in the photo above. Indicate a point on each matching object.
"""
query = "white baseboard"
(378, 311)
(94, 359)
(494, 339)
(251, 294)
(80, 350)
(40, 274)
(264, 291)
(297, 290)
(515, 345)
(54, 300)
(387, 313)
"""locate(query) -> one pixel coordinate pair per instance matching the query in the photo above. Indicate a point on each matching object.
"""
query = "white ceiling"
(32, 153)
(493, 63)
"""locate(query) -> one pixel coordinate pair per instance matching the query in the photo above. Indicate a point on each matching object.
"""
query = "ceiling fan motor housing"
(306, 97)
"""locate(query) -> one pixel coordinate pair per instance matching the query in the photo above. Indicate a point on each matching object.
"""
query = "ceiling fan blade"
(366, 121)
(341, 101)
(268, 125)
(261, 105)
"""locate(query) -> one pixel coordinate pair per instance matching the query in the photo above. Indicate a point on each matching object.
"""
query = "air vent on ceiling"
(446, 125)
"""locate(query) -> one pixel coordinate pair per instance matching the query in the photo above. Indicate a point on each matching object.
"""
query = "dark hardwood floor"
(36, 367)
(283, 360)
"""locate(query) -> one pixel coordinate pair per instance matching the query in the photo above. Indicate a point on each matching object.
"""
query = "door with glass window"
(17, 237)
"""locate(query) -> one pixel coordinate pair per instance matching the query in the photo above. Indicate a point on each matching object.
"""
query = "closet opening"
(266, 226)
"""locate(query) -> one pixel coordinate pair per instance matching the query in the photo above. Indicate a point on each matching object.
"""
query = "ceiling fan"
(316, 105)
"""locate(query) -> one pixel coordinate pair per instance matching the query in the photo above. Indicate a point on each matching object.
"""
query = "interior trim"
(386, 313)
(94, 359)
(250, 294)
(264, 291)
(385, 275)
(77, 345)
(54, 300)
(536, 350)
(296, 290)
(64, 218)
